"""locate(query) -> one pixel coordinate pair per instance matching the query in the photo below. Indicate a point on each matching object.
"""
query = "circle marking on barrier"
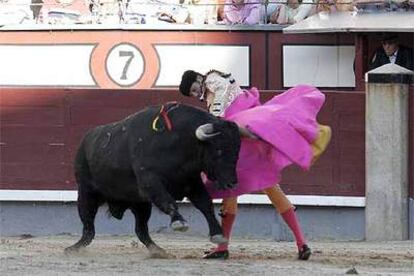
(125, 64)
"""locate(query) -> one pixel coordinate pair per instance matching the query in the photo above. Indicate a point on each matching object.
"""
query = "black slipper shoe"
(221, 255)
(304, 253)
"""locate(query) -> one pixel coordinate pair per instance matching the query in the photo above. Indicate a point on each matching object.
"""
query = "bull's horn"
(205, 132)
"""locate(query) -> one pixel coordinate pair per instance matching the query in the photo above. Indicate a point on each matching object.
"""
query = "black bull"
(148, 158)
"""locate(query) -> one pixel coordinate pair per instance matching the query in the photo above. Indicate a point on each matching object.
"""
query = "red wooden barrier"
(41, 129)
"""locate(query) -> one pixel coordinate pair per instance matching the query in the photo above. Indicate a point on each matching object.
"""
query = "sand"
(124, 255)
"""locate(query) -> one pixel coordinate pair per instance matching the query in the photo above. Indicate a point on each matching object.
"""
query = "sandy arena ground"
(123, 255)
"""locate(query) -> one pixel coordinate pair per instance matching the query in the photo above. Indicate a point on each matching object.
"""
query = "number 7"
(129, 54)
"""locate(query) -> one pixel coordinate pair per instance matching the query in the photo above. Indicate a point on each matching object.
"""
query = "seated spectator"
(203, 11)
(392, 52)
(398, 5)
(174, 11)
(272, 8)
(36, 6)
(159, 11)
(335, 5)
(326, 6)
(220, 10)
(109, 11)
(247, 12)
(293, 12)
(345, 5)
(142, 12)
(370, 5)
(15, 12)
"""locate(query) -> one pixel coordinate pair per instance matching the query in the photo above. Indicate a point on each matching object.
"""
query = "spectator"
(398, 5)
(174, 11)
(326, 6)
(156, 12)
(109, 11)
(220, 10)
(36, 6)
(65, 11)
(142, 11)
(345, 5)
(15, 12)
(293, 12)
(392, 52)
(371, 5)
(203, 11)
(271, 8)
(335, 5)
(242, 12)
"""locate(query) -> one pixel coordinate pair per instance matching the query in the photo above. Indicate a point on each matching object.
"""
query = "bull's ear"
(205, 132)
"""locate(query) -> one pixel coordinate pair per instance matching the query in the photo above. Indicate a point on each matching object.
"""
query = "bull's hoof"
(159, 253)
(179, 225)
(218, 239)
(71, 249)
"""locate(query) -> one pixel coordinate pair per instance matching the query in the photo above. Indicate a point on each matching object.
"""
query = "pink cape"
(287, 127)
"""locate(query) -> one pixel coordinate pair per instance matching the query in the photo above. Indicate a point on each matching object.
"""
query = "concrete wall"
(411, 218)
(319, 223)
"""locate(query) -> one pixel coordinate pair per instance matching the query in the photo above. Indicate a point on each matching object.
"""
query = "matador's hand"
(244, 132)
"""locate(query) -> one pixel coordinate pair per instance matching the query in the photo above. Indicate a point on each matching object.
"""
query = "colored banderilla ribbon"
(167, 120)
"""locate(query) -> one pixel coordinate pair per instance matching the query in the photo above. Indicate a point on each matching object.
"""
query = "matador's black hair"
(188, 78)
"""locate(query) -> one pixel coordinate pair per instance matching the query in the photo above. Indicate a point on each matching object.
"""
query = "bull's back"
(102, 165)
(110, 151)
(108, 144)
(104, 160)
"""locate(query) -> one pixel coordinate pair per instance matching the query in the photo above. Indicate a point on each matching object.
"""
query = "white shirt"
(393, 57)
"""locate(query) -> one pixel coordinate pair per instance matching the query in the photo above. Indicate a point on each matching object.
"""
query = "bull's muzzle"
(225, 186)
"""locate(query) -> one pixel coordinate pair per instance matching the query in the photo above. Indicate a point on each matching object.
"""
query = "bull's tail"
(82, 171)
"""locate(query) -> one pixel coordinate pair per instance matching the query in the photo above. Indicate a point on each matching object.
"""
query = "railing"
(192, 12)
